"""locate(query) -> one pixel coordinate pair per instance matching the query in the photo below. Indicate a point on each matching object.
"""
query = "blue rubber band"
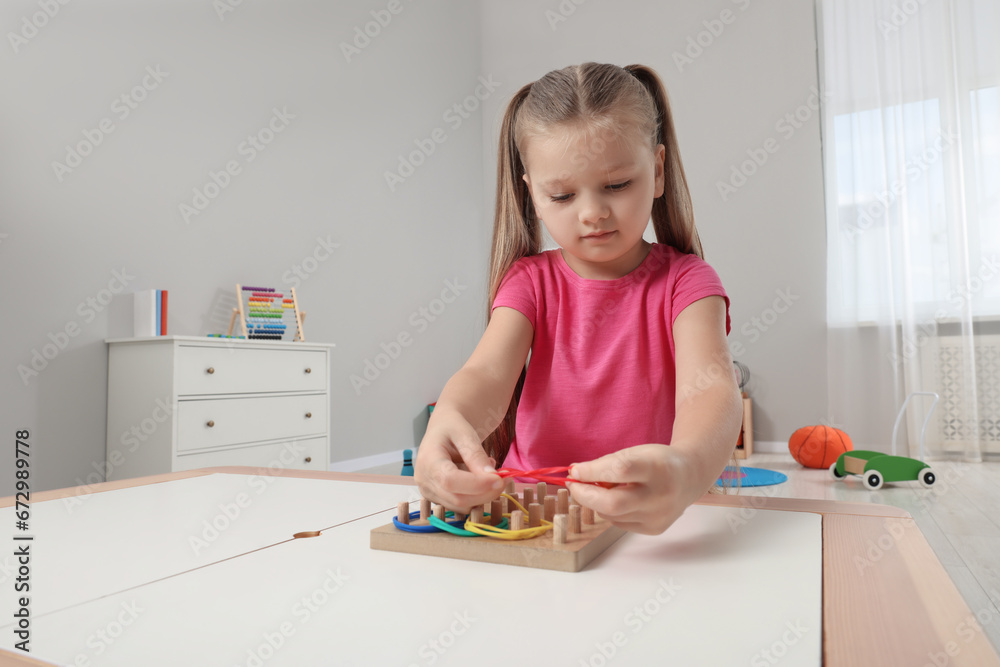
(424, 529)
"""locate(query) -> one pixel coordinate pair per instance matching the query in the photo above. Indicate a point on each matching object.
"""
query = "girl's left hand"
(654, 487)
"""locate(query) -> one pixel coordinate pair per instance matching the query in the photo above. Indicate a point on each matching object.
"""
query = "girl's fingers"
(456, 476)
(474, 457)
(614, 503)
(620, 467)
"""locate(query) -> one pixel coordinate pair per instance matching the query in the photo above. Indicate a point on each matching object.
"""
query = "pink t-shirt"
(601, 373)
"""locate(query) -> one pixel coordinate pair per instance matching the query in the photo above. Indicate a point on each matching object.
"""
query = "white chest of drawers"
(184, 402)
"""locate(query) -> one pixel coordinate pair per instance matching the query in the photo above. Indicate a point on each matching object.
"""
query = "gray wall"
(323, 178)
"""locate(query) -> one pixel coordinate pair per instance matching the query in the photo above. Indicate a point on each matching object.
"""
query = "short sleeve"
(517, 291)
(696, 279)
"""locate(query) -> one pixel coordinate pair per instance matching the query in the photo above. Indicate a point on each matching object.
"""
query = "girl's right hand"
(451, 468)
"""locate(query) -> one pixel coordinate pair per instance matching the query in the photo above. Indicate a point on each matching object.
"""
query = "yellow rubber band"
(487, 530)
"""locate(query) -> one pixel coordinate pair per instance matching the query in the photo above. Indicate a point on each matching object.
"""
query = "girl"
(627, 339)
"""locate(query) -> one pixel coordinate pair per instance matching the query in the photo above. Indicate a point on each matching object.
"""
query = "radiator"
(945, 370)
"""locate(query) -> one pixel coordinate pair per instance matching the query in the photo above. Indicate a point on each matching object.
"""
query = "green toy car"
(876, 468)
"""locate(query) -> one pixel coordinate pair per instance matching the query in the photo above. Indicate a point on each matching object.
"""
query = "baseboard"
(770, 446)
(365, 462)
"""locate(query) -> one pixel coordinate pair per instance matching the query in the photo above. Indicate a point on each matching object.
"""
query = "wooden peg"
(529, 496)
(550, 507)
(460, 516)
(510, 489)
(534, 515)
(587, 516)
(562, 501)
(425, 509)
(541, 489)
(403, 512)
(477, 514)
(504, 505)
(517, 520)
(559, 529)
(496, 513)
(439, 511)
(574, 520)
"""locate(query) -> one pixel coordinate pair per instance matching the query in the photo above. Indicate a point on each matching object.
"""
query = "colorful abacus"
(263, 318)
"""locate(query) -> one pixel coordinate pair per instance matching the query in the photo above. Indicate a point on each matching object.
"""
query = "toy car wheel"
(873, 480)
(927, 477)
(834, 473)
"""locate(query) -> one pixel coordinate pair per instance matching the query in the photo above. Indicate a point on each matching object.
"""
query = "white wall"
(323, 177)
(766, 239)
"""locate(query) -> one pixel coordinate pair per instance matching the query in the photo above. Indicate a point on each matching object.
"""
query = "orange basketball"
(818, 446)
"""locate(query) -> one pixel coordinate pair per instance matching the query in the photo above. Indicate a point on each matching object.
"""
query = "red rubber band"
(547, 475)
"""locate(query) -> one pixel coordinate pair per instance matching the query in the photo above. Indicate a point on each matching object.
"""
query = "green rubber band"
(461, 532)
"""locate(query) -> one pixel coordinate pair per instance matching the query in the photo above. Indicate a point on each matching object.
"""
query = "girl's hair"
(607, 98)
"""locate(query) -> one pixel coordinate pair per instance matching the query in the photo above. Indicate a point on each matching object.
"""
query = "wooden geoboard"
(578, 551)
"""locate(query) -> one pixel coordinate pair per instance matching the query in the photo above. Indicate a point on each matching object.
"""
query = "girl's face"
(594, 194)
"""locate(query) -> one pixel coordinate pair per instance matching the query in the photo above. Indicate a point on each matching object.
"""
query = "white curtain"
(911, 135)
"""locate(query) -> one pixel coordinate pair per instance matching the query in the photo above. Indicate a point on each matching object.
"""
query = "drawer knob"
(210, 370)
(210, 423)
(309, 459)
(309, 415)
(309, 370)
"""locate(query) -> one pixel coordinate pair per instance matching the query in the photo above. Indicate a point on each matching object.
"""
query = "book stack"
(149, 313)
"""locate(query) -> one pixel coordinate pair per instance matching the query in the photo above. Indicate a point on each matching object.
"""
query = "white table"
(123, 580)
